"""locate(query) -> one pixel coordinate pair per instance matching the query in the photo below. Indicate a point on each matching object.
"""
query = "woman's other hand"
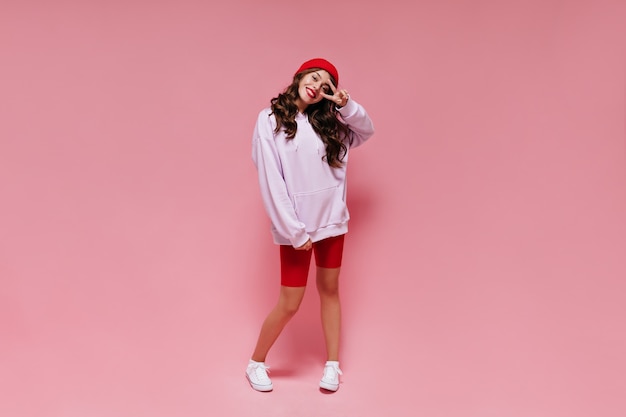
(307, 246)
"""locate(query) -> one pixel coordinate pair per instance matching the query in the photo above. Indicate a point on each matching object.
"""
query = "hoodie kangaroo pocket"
(321, 208)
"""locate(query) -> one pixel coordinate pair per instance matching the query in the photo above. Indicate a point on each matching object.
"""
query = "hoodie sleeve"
(273, 188)
(357, 119)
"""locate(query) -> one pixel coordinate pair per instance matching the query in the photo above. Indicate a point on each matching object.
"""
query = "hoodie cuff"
(349, 109)
(300, 240)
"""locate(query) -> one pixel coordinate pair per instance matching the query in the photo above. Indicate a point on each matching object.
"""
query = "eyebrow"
(330, 80)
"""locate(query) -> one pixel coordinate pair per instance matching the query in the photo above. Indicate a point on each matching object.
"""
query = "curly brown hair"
(322, 116)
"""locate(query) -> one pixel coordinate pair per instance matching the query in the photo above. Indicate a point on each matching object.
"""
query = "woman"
(300, 148)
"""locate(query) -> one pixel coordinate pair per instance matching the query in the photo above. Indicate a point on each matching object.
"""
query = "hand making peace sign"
(339, 97)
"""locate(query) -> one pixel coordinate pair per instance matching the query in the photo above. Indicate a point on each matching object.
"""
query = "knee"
(289, 301)
(289, 309)
(328, 282)
(288, 306)
(329, 290)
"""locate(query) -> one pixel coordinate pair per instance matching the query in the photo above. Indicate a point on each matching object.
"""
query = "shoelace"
(262, 375)
(330, 372)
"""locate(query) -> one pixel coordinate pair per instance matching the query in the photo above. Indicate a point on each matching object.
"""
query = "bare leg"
(328, 288)
(288, 303)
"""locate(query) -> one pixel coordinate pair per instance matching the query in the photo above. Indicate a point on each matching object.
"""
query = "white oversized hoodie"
(303, 195)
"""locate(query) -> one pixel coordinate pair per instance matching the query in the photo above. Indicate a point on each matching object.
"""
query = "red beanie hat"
(322, 64)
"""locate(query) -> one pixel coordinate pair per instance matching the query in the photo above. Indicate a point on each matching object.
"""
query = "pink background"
(484, 271)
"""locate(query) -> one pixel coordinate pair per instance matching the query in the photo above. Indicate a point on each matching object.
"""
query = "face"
(311, 87)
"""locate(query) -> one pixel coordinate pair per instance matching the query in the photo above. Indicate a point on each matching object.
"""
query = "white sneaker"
(330, 379)
(257, 376)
